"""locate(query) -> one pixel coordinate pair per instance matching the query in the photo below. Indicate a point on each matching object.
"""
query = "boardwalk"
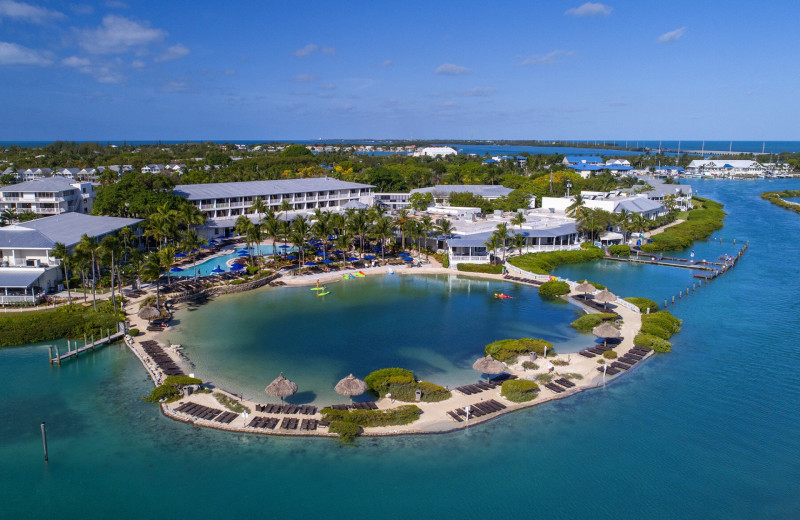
(57, 358)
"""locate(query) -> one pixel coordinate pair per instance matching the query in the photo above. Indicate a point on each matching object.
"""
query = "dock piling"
(44, 441)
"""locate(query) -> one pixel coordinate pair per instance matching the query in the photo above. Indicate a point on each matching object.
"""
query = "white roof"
(66, 228)
(44, 184)
(263, 188)
(720, 163)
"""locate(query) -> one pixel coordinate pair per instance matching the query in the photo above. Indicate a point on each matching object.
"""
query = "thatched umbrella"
(606, 330)
(149, 313)
(489, 365)
(281, 387)
(605, 296)
(585, 287)
(350, 386)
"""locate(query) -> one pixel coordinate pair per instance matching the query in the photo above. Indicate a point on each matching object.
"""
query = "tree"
(518, 219)
(151, 271)
(420, 201)
(492, 244)
(519, 241)
(61, 253)
(402, 221)
(272, 228)
(285, 207)
(426, 226)
(90, 245)
(343, 242)
(322, 228)
(446, 228)
(190, 215)
(192, 242)
(296, 150)
(299, 234)
(111, 248)
(259, 206)
(359, 225)
(383, 229)
(577, 208)
(254, 236)
(502, 234)
(8, 216)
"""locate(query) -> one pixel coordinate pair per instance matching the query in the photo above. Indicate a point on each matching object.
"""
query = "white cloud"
(173, 87)
(82, 8)
(304, 78)
(328, 86)
(172, 53)
(13, 54)
(118, 34)
(589, 9)
(387, 63)
(478, 92)
(450, 69)
(302, 52)
(106, 72)
(311, 48)
(115, 4)
(546, 59)
(27, 12)
(138, 64)
(672, 36)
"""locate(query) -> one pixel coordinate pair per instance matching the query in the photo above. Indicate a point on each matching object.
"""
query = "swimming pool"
(205, 267)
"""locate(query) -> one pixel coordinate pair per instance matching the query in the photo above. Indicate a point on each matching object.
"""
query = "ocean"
(708, 431)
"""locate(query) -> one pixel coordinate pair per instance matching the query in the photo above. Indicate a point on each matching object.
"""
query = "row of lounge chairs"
(478, 409)
(268, 423)
(200, 411)
(287, 423)
(633, 356)
(522, 280)
(161, 358)
(587, 300)
(598, 350)
(304, 409)
(367, 405)
(559, 385)
(481, 386)
(226, 417)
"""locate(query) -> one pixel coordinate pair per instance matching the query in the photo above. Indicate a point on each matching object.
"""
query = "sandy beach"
(434, 417)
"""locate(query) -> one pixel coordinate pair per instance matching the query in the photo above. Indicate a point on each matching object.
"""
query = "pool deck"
(434, 417)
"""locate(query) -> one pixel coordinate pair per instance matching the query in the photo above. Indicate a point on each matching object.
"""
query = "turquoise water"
(434, 325)
(708, 431)
(204, 268)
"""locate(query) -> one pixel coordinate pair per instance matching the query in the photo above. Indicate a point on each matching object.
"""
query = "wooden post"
(44, 441)
(85, 340)
(665, 303)
(50, 353)
(673, 300)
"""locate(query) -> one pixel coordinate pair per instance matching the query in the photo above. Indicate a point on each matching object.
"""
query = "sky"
(682, 69)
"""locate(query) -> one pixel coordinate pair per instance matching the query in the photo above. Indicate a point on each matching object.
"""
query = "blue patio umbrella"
(237, 267)
(204, 246)
(291, 257)
(326, 261)
(218, 270)
(310, 263)
(180, 255)
(284, 247)
(407, 259)
(175, 270)
(337, 252)
(369, 257)
(352, 259)
(243, 253)
(195, 250)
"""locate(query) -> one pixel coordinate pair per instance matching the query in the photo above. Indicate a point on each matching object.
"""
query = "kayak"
(323, 293)
(502, 296)
(317, 288)
(361, 273)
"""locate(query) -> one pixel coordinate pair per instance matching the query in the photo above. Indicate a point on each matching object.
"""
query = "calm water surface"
(708, 431)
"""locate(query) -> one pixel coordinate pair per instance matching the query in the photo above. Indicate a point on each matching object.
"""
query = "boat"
(323, 293)
(502, 296)
(360, 274)
(318, 288)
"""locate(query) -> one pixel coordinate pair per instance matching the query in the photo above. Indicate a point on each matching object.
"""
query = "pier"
(57, 358)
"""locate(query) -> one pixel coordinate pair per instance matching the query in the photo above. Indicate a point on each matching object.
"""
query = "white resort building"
(224, 202)
(441, 192)
(27, 267)
(48, 196)
(725, 168)
(435, 151)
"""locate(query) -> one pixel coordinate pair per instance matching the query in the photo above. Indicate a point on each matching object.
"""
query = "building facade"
(48, 196)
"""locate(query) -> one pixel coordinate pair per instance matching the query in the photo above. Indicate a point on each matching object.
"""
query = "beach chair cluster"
(587, 300)
(522, 280)
(161, 358)
(264, 423)
(204, 412)
(287, 423)
(560, 385)
(635, 355)
(477, 410)
(134, 293)
(366, 405)
(597, 350)
(289, 409)
(481, 386)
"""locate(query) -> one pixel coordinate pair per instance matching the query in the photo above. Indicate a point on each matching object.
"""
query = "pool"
(205, 267)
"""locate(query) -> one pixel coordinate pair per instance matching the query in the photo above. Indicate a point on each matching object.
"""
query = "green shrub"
(601, 361)
(620, 250)
(553, 289)
(432, 392)
(610, 354)
(404, 414)
(519, 390)
(480, 268)
(543, 263)
(507, 350)
(572, 375)
(442, 258)
(777, 198)
(67, 321)
(700, 224)
(170, 389)
(229, 403)
(661, 324)
(544, 378)
(643, 303)
(653, 342)
(529, 365)
(379, 380)
(560, 362)
(133, 332)
(347, 431)
(655, 330)
(595, 284)
(589, 321)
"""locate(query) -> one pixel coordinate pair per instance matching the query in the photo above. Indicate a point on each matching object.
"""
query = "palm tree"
(402, 225)
(61, 253)
(259, 206)
(426, 227)
(254, 236)
(111, 247)
(446, 228)
(492, 244)
(299, 235)
(502, 235)
(519, 241)
(152, 269)
(90, 245)
(343, 242)
(383, 229)
(191, 242)
(285, 207)
(8, 216)
(81, 259)
(359, 225)
(163, 223)
(576, 209)
(322, 227)
(518, 219)
(272, 228)
(190, 215)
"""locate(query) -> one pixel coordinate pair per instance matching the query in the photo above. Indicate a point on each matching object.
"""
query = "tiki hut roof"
(281, 387)
(489, 365)
(585, 287)
(606, 330)
(605, 296)
(149, 313)
(350, 386)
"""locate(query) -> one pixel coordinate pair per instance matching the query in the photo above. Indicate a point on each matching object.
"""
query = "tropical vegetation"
(508, 350)
(553, 288)
(519, 390)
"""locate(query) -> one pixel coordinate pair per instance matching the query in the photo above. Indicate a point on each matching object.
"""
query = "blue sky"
(465, 70)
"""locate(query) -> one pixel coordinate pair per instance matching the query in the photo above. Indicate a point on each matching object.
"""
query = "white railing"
(5, 300)
(627, 305)
(463, 259)
(527, 274)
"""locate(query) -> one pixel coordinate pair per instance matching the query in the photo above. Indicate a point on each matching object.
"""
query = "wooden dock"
(57, 358)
